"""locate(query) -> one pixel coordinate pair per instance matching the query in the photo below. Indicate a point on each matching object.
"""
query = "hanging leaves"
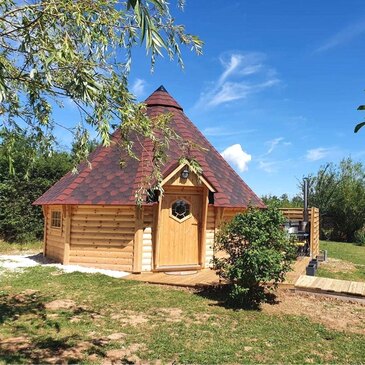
(62, 51)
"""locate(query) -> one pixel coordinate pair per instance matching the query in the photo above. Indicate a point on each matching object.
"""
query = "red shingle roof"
(107, 183)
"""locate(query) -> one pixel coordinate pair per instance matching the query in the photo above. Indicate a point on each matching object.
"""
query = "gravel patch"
(19, 262)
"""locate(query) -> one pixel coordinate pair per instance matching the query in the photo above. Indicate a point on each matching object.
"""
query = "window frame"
(185, 218)
(57, 228)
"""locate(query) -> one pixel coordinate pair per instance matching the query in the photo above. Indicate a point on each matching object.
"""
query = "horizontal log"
(105, 231)
(101, 248)
(58, 250)
(123, 254)
(104, 213)
(102, 236)
(51, 242)
(101, 224)
(100, 260)
(102, 219)
(106, 243)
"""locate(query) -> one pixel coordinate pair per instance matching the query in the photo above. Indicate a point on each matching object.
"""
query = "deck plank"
(319, 284)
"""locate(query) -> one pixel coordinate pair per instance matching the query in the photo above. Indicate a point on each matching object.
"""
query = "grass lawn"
(97, 317)
(346, 261)
(7, 248)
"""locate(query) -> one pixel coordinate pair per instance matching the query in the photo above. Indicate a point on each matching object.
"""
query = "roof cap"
(161, 97)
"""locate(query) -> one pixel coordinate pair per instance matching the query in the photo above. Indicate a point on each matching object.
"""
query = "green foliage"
(34, 174)
(359, 125)
(258, 254)
(359, 237)
(283, 201)
(339, 193)
(52, 52)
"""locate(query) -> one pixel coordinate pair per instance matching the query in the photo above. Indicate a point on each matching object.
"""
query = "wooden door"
(179, 238)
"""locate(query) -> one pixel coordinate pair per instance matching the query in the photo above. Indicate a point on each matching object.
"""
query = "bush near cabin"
(259, 255)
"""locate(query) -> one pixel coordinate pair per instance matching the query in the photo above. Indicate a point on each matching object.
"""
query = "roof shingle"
(107, 183)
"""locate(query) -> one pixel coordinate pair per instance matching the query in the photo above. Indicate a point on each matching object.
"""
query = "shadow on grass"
(42, 349)
(221, 296)
(13, 306)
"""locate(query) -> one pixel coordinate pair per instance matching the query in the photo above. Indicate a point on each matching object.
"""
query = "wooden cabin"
(91, 218)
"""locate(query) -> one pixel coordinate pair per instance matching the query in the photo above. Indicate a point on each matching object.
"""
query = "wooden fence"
(296, 214)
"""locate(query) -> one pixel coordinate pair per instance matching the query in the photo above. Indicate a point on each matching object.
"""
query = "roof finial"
(161, 88)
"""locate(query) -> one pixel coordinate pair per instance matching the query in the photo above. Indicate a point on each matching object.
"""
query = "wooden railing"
(296, 214)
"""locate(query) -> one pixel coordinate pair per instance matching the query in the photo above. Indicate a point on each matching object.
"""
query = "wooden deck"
(208, 277)
(202, 278)
(330, 286)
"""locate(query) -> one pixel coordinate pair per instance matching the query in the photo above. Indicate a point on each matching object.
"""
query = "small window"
(55, 219)
(180, 209)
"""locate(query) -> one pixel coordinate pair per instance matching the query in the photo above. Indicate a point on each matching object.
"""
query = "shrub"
(360, 237)
(20, 221)
(259, 254)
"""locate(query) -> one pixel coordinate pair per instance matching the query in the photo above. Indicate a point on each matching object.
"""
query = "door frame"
(203, 191)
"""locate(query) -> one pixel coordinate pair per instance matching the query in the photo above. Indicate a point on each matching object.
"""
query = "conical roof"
(107, 183)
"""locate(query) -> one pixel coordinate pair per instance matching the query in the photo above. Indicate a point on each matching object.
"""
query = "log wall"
(209, 236)
(54, 237)
(229, 213)
(102, 236)
(147, 250)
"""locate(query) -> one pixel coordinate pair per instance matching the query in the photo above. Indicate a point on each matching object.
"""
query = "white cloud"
(268, 166)
(319, 153)
(243, 74)
(273, 166)
(343, 36)
(237, 157)
(273, 143)
(138, 88)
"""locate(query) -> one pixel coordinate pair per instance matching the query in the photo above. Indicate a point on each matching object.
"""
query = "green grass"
(16, 248)
(345, 251)
(348, 253)
(169, 325)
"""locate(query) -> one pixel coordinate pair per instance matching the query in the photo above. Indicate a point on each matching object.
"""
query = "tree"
(348, 209)
(339, 193)
(322, 188)
(283, 201)
(258, 252)
(35, 173)
(81, 50)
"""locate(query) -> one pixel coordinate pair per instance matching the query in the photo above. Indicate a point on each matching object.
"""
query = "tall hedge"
(32, 175)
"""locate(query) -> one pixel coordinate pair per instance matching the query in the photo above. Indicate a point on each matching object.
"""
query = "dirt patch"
(60, 304)
(336, 265)
(202, 318)
(171, 314)
(124, 356)
(332, 313)
(116, 336)
(30, 292)
(63, 353)
(15, 343)
(131, 318)
(24, 346)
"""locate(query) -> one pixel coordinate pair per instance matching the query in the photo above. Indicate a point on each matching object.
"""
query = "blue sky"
(277, 87)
